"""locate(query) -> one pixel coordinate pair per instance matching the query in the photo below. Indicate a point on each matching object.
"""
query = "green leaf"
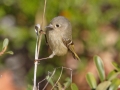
(50, 80)
(112, 75)
(5, 43)
(10, 52)
(100, 68)
(117, 67)
(91, 80)
(74, 86)
(104, 85)
(67, 83)
(114, 85)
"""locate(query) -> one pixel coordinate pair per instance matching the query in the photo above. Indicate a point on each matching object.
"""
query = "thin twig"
(3, 51)
(51, 76)
(43, 14)
(37, 49)
(68, 69)
(49, 79)
(41, 82)
(70, 73)
(58, 79)
(40, 37)
(35, 68)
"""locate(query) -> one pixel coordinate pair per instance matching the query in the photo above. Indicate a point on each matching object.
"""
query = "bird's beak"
(50, 26)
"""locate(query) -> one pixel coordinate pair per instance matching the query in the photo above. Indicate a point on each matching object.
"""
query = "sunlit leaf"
(114, 85)
(100, 68)
(112, 75)
(5, 42)
(74, 86)
(91, 80)
(104, 85)
(117, 67)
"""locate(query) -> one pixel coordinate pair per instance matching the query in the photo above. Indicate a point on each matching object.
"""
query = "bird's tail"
(76, 56)
(71, 48)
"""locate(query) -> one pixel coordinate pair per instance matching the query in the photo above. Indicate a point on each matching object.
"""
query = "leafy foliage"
(4, 47)
(74, 87)
(112, 81)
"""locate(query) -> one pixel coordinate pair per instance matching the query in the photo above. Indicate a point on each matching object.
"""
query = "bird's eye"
(57, 25)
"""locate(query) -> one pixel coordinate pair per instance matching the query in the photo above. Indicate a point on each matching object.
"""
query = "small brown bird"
(59, 37)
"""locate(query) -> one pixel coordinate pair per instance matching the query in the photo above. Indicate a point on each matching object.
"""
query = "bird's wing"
(70, 45)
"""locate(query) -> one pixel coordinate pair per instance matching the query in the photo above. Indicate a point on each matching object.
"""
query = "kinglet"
(59, 37)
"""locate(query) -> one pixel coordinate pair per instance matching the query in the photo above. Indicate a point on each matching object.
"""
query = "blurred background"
(96, 31)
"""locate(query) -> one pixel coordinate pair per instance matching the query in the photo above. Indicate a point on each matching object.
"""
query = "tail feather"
(71, 48)
(76, 56)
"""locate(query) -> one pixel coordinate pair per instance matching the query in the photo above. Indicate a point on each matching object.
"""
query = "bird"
(58, 35)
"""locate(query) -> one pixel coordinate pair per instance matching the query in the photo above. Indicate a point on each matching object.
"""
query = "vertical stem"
(35, 67)
(37, 49)
(35, 71)
(40, 36)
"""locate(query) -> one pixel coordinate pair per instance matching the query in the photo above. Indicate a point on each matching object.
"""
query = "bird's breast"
(56, 44)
